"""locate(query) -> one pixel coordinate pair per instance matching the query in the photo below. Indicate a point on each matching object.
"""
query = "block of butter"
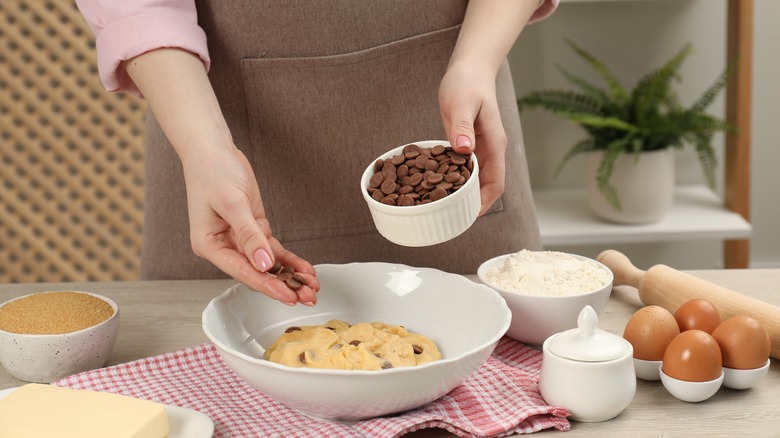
(36, 410)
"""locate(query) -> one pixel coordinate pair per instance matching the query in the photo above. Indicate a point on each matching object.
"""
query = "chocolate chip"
(386, 365)
(388, 187)
(452, 177)
(355, 342)
(405, 201)
(288, 276)
(292, 329)
(389, 175)
(458, 160)
(292, 283)
(445, 185)
(417, 349)
(438, 193)
(376, 180)
(302, 357)
(397, 160)
(435, 178)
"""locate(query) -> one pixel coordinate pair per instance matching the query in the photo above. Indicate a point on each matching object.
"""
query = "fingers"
(249, 237)
(244, 250)
(491, 153)
(238, 266)
(491, 185)
(307, 294)
(459, 124)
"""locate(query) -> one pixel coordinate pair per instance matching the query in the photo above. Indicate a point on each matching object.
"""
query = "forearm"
(489, 30)
(177, 89)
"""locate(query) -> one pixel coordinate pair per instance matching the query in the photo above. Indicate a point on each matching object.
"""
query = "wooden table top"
(163, 316)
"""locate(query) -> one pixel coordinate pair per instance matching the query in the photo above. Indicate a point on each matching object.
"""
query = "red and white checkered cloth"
(501, 398)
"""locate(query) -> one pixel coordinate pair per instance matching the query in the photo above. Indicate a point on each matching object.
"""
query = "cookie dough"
(339, 345)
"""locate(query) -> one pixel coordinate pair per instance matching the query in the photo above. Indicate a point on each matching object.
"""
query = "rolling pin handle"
(623, 270)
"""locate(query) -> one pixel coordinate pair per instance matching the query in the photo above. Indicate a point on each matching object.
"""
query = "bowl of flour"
(546, 290)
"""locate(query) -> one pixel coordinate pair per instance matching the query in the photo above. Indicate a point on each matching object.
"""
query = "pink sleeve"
(545, 9)
(126, 29)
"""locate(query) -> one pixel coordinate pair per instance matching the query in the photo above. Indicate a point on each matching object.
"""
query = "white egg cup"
(692, 392)
(744, 379)
(648, 369)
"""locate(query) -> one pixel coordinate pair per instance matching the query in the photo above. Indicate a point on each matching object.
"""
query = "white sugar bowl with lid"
(588, 371)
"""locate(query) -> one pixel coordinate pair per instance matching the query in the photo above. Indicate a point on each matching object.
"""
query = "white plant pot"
(645, 187)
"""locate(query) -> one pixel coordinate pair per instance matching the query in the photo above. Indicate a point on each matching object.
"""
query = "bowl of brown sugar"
(46, 336)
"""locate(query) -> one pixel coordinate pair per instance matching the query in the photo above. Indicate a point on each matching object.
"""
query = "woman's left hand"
(469, 112)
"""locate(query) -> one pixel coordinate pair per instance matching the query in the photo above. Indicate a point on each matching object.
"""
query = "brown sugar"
(53, 313)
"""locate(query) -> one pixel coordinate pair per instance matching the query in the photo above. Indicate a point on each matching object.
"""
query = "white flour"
(548, 273)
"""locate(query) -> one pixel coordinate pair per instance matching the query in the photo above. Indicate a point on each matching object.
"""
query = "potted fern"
(630, 131)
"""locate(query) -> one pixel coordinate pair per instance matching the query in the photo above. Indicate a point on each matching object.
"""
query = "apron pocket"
(317, 122)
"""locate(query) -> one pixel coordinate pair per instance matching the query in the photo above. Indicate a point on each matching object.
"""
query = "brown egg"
(693, 356)
(697, 314)
(649, 331)
(744, 342)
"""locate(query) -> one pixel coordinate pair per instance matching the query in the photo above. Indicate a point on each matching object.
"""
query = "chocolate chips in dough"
(340, 345)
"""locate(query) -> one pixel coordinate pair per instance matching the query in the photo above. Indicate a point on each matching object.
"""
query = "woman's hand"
(467, 93)
(228, 226)
(469, 112)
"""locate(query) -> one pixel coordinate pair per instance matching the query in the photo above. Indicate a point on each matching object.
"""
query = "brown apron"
(313, 92)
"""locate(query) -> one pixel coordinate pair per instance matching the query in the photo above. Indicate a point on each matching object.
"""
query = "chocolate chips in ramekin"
(419, 175)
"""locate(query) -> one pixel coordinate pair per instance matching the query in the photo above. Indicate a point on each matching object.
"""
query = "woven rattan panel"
(71, 198)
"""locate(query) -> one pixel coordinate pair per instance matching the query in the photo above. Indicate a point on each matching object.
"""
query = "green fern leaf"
(617, 91)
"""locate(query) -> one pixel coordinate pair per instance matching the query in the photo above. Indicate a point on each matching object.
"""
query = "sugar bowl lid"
(587, 343)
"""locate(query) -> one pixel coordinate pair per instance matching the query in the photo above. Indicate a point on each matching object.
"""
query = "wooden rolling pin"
(670, 288)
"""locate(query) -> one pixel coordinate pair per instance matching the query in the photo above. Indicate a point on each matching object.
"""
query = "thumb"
(461, 135)
(252, 241)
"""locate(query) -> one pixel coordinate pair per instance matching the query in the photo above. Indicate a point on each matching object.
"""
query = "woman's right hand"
(228, 226)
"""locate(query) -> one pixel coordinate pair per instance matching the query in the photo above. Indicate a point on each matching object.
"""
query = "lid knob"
(587, 343)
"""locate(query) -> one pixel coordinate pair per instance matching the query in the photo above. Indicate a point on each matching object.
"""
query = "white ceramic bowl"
(46, 358)
(427, 224)
(692, 392)
(744, 379)
(465, 320)
(537, 317)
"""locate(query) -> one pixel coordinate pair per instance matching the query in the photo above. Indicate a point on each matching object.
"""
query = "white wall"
(633, 38)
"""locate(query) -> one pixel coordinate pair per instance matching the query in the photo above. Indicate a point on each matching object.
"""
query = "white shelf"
(697, 213)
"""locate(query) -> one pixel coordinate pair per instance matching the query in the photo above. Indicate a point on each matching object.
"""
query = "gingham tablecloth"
(500, 399)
